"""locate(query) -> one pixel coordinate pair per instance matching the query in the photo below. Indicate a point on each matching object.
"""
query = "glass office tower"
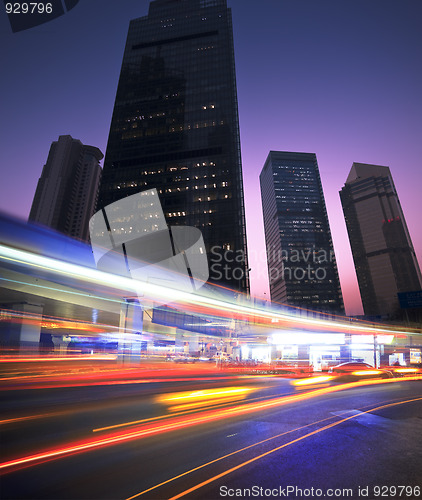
(384, 257)
(175, 128)
(301, 262)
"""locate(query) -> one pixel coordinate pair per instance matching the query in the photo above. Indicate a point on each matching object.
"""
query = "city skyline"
(350, 94)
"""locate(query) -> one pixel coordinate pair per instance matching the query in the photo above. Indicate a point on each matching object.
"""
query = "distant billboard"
(410, 300)
(415, 356)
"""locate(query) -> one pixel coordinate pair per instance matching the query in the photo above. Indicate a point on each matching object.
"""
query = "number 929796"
(29, 8)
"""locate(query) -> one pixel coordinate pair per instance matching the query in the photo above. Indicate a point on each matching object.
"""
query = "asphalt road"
(212, 436)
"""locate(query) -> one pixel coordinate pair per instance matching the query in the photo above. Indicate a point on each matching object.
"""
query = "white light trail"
(159, 293)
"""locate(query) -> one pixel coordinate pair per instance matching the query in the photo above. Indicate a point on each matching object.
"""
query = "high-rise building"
(175, 128)
(383, 254)
(67, 190)
(301, 262)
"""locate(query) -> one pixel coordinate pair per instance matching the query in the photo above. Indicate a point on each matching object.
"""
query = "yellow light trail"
(313, 380)
(197, 399)
(116, 426)
(175, 424)
(30, 417)
(205, 393)
(362, 373)
(161, 417)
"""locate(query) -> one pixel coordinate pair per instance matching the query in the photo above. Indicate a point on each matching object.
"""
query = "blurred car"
(222, 356)
(182, 358)
(356, 370)
(405, 371)
(206, 359)
(349, 367)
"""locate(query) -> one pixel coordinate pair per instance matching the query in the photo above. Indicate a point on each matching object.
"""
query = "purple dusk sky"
(341, 79)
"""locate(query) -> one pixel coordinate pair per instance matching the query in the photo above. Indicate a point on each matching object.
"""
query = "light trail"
(191, 400)
(406, 370)
(313, 380)
(176, 424)
(262, 455)
(71, 292)
(24, 378)
(115, 426)
(363, 373)
(32, 417)
(161, 294)
(73, 357)
(121, 378)
(161, 417)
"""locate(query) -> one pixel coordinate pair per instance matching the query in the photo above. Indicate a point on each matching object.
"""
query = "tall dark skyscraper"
(175, 128)
(383, 253)
(67, 190)
(301, 262)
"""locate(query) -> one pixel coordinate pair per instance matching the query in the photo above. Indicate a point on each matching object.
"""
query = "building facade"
(383, 253)
(301, 262)
(67, 190)
(175, 128)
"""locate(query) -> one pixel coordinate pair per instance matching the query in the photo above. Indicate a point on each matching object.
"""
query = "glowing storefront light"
(283, 338)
